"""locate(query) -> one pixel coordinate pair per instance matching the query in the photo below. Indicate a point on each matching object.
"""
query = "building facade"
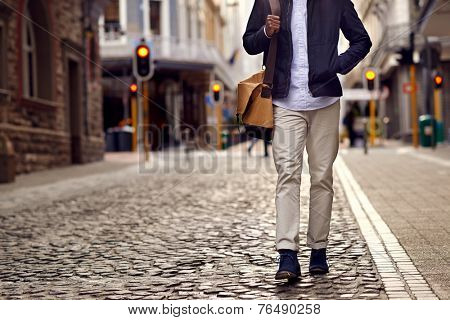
(193, 42)
(392, 24)
(50, 83)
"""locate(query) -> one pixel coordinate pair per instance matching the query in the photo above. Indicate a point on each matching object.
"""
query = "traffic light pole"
(146, 118)
(371, 82)
(143, 71)
(372, 108)
(414, 119)
(218, 97)
(134, 119)
(218, 108)
(437, 105)
(140, 120)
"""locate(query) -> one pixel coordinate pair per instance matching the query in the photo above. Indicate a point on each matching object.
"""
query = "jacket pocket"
(323, 62)
(335, 66)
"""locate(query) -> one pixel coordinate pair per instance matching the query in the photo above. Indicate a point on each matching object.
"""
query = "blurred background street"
(83, 214)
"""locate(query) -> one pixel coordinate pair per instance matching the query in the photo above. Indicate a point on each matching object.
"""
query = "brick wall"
(40, 129)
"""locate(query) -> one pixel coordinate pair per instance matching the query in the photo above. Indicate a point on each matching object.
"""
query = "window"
(2, 55)
(155, 17)
(173, 9)
(113, 29)
(36, 59)
(112, 12)
(29, 59)
(189, 20)
(200, 20)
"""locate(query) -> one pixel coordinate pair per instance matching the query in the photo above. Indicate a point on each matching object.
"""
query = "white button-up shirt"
(300, 97)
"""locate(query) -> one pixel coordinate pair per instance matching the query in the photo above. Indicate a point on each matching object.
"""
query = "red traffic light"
(142, 51)
(142, 65)
(217, 91)
(438, 81)
(133, 88)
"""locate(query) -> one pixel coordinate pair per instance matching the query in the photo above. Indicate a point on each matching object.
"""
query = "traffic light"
(406, 56)
(143, 68)
(217, 91)
(143, 60)
(438, 81)
(370, 75)
(133, 88)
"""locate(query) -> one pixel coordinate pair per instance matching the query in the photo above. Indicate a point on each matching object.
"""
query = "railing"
(112, 31)
(199, 51)
(193, 51)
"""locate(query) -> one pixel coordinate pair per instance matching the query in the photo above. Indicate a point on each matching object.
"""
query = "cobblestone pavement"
(173, 236)
(410, 189)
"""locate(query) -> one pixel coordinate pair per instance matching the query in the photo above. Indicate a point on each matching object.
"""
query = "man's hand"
(272, 25)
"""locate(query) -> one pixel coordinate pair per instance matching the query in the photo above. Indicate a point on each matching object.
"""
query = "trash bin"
(427, 131)
(440, 132)
(111, 145)
(226, 139)
(7, 160)
(124, 140)
(119, 139)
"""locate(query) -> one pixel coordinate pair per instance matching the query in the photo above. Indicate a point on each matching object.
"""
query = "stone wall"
(40, 128)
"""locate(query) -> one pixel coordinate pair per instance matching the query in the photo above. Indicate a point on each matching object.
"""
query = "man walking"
(305, 95)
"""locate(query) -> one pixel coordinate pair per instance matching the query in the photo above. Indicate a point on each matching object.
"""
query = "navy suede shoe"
(289, 267)
(318, 261)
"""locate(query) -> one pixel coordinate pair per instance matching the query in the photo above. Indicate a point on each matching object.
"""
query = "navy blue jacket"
(325, 19)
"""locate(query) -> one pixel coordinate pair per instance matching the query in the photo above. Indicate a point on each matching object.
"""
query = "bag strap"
(272, 56)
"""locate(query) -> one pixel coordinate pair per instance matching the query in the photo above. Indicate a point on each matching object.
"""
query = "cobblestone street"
(170, 236)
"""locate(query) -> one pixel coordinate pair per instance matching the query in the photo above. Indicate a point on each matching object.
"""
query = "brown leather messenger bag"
(255, 109)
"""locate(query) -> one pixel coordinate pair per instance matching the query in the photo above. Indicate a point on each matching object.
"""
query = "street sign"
(408, 88)
(360, 94)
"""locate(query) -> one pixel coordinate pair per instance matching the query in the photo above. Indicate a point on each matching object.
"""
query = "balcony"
(112, 31)
(169, 52)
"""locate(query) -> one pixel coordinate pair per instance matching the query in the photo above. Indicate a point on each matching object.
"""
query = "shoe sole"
(318, 271)
(283, 275)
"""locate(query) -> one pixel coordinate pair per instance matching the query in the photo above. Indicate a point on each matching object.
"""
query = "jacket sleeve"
(255, 39)
(354, 31)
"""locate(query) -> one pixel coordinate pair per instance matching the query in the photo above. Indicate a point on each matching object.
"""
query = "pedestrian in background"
(305, 95)
(349, 122)
(255, 141)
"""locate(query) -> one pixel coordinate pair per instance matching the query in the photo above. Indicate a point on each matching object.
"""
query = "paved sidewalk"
(441, 152)
(411, 191)
(111, 163)
(55, 184)
(172, 236)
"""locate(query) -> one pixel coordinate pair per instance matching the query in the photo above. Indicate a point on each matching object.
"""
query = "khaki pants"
(318, 130)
